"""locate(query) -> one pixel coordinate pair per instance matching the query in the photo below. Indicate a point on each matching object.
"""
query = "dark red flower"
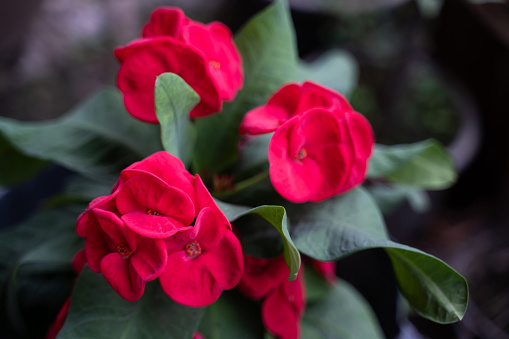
(202, 262)
(283, 308)
(262, 275)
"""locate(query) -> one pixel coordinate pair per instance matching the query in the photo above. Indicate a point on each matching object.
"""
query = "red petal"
(149, 260)
(283, 308)
(166, 167)
(262, 275)
(105, 202)
(225, 261)
(151, 226)
(209, 229)
(122, 277)
(165, 21)
(188, 281)
(146, 194)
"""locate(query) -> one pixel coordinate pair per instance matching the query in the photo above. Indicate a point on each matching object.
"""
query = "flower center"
(124, 250)
(215, 64)
(153, 212)
(193, 249)
(300, 155)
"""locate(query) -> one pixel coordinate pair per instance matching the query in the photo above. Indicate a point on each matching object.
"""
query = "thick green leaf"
(341, 226)
(336, 69)
(389, 196)
(425, 164)
(97, 311)
(343, 313)
(232, 317)
(35, 269)
(174, 99)
(445, 295)
(97, 139)
(276, 216)
(269, 54)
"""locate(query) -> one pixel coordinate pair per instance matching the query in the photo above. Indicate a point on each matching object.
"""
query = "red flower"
(57, 325)
(149, 215)
(262, 275)
(283, 308)
(326, 269)
(320, 147)
(126, 259)
(205, 56)
(291, 100)
(202, 262)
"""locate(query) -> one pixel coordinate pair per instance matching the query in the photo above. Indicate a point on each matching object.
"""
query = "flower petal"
(165, 21)
(149, 260)
(204, 199)
(188, 281)
(122, 277)
(262, 275)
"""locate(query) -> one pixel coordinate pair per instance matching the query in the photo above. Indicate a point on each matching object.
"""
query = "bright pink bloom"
(320, 147)
(202, 262)
(198, 335)
(283, 308)
(290, 100)
(262, 275)
(205, 56)
(145, 59)
(126, 259)
(155, 202)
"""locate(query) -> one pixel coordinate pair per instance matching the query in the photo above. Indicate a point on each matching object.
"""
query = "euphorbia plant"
(196, 216)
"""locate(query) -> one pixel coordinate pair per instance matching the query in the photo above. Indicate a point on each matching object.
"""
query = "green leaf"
(390, 196)
(35, 268)
(335, 69)
(232, 317)
(276, 216)
(343, 313)
(425, 164)
(341, 226)
(97, 139)
(174, 99)
(446, 292)
(97, 311)
(16, 167)
(269, 54)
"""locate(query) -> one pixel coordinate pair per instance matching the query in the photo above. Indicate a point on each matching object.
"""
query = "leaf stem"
(241, 186)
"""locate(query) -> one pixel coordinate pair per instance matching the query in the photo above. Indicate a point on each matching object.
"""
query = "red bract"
(283, 308)
(154, 203)
(320, 147)
(291, 100)
(202, 262)
(262, 275)
(205, 56)
(326, 269)
(126, 259)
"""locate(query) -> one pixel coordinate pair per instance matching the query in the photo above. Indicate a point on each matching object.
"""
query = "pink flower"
(202, 262)
(126, 259)
(156, 210)
(290, 100)
(205, 56)
(283, 308)
(57, 325)
(320, 147)
(261, 275)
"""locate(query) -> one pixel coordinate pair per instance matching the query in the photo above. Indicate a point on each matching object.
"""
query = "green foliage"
(341, 313)
(275, 216)
(97, 311)
(97, 139)
(35, 269)
(174, 99)
(424, 164)
(341, 226)
(269, 54)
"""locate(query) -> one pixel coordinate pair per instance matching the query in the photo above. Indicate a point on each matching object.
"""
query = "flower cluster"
(161, 222)
(320, 147)
(205, 56)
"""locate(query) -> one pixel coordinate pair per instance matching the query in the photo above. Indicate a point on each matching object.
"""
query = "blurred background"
(424, 69)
